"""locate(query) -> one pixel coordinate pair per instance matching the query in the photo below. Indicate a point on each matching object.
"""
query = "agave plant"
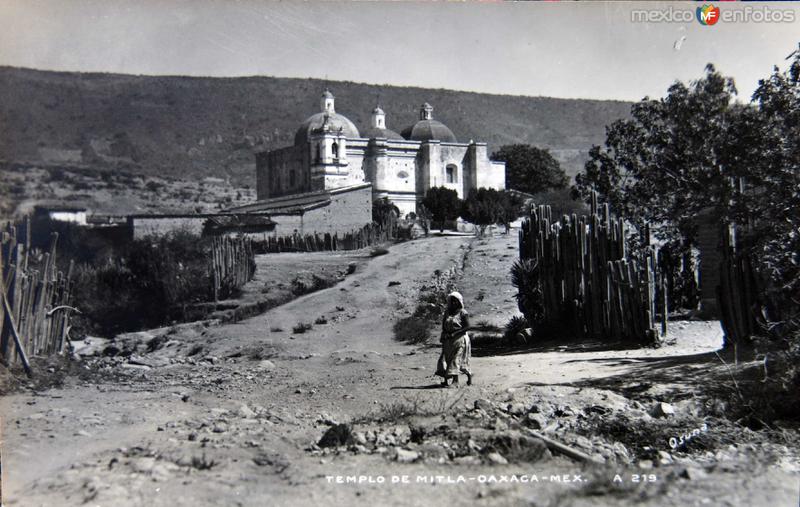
(525, 276)
(515, 328)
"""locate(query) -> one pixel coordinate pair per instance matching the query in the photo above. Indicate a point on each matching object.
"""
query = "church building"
(331, 154)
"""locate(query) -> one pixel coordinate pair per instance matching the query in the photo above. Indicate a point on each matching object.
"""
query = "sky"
(557, 49)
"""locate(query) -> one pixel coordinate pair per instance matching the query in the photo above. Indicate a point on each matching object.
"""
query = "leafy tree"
(769, 138)
(443, 204)
(384, 211)
(530, 169)
(673, 158)
(424, 218)
(481, 208)
(561, 202)
(487, 206)
(510, 209)
(696, 149)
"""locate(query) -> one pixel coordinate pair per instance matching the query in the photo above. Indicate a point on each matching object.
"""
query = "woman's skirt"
(455, 357)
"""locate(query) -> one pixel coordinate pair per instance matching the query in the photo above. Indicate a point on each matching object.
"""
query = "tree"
(424, 218)
(674, 157)
(674, 160)
(769, 135)
(481, 208)
(510, 209)
(697, 149)
(530, 169)
(384, 211)
(487, 206)
(443, 204)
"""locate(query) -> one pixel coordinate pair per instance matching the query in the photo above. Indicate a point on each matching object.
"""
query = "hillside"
(189, 127)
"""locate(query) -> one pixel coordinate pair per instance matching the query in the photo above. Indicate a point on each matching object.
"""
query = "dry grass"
(430, 305)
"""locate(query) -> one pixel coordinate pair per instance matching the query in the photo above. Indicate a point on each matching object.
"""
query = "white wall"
(75, 217)
(494, 176)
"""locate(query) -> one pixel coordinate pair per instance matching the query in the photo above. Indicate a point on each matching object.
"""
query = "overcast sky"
(569, 49)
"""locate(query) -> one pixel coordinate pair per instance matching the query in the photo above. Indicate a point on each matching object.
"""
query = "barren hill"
(191, 127)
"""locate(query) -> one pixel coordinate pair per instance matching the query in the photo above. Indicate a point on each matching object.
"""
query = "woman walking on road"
(456, 346)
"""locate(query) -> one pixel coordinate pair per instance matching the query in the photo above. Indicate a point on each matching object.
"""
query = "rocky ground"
(316, 402)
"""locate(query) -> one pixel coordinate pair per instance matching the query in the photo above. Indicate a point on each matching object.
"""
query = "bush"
(430, 307)
(301, 328)
(303, 284)
(56, 175)
(526, 277)
(412, 330)
(516, 328)
(154, 186)
(769, 391)
(337, 435)
(151, 282)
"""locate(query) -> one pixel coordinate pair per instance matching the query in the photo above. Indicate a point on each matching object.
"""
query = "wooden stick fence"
(34, 315)
(233, 264)
(361, 238)
(589, 286)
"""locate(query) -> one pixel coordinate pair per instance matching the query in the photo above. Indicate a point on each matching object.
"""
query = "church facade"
(330, 152)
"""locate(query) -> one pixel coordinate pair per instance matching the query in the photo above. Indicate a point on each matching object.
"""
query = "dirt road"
(230, 414)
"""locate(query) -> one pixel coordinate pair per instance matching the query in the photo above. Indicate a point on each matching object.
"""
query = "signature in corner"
(681, 440)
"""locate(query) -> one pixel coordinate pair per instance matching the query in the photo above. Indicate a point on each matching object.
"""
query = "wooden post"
(9, 316)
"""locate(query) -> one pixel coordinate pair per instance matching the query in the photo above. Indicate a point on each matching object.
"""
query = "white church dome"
(328, 118)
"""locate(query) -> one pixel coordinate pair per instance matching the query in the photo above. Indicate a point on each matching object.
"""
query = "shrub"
(515, 328)
(430, 307)
(337, 435)
(526, 277)
(151, 282)
(56, 174)
(201, 463)
(304, 284)
(153, 186)
(301, 328)
(771, 390)
(412, 330)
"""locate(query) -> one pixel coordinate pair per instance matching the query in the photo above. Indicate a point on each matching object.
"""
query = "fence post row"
(35, 294)
(232, 264)
(736, 292)
(366, 236)
(587, 282)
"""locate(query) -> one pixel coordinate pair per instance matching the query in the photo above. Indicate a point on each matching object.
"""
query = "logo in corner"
(707, 14)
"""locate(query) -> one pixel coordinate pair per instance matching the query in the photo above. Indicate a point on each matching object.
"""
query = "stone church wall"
(282, 172)
(348, 210)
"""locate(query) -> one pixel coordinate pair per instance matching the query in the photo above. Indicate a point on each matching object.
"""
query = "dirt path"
(229, 415)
